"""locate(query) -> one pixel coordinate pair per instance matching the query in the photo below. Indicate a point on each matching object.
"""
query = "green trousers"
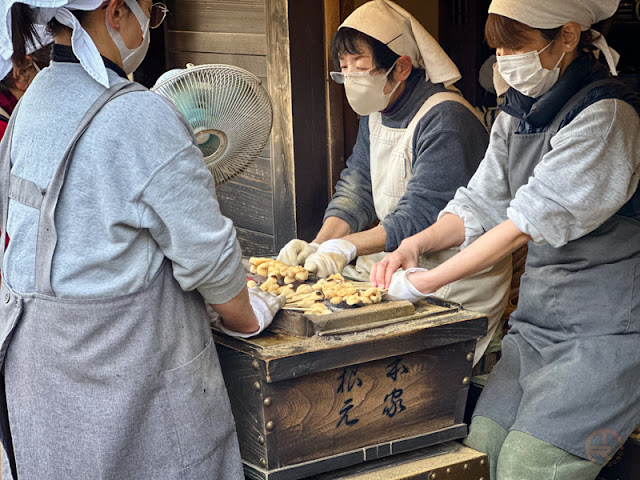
(517, 456)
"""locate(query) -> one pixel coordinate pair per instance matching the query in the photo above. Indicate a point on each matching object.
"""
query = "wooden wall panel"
(252, 63)
(255, 244)
(214, 42)
(232, 16)
(244, 198)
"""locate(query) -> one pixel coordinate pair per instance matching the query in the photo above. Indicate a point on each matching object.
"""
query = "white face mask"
(132, 58)
(525, 72)
(365, 93)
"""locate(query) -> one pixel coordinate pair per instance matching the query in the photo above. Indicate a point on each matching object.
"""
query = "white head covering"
(81, 42)
(547, 14)
(43, 39)
(395, 27)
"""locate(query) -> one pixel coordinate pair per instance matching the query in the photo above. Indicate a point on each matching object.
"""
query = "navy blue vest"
(536, 114)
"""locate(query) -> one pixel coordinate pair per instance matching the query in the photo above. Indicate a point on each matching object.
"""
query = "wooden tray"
(352, 319)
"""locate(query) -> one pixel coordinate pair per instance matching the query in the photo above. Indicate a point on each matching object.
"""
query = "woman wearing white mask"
(561, 173)
(418, 142)
(109, 365)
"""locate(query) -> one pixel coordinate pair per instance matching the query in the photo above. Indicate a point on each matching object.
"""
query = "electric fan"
(229, 110)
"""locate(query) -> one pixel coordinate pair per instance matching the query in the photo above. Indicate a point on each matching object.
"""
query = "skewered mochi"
(286, 290)
(266, 267)
(304, 288)
(317, 309)
(337, 290)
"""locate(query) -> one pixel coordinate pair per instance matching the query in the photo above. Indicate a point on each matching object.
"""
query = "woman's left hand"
(405, 257)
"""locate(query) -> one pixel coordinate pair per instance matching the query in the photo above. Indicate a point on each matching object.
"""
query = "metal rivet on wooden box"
(351, 393)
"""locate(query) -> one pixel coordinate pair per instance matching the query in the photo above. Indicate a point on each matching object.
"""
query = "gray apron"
(126, 387)
(570, 368)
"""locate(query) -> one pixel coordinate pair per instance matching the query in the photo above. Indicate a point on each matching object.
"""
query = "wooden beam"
(232, 16)
(255, 64)
(279, 74)
(231, 43)
(350, 118)
(334, 98)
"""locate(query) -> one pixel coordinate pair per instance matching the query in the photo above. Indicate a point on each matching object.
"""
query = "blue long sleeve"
(353, 200)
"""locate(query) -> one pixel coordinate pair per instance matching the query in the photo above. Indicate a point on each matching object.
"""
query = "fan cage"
(229, 111)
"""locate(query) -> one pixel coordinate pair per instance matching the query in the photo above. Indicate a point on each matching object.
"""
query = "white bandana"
(81, 42)
(401, 32)
(548, 14)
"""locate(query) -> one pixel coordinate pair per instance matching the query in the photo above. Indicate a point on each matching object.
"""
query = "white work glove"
(296, 252)
(331, 257)
(402, 288)
(265, 306)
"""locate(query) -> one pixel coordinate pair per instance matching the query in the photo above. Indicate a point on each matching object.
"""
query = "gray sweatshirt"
(137, 191)
(448, 144)
(600, 147)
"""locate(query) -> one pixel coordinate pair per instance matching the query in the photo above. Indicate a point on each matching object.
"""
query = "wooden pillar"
(334, 97)
(282, 154)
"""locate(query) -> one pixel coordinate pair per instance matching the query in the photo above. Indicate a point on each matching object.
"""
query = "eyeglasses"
(158, 13)
(341, 77)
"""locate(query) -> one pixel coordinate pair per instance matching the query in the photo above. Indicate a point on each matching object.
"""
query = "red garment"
(7, 102)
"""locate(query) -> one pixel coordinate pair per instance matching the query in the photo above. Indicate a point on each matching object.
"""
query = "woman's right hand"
(405, 257)
(402, 287)
(296, 252)
(250, 304)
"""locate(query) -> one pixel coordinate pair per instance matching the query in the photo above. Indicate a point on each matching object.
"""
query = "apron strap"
(573, 102)
(436, 99)
(25, 192)
(5, 181)
(47, 235)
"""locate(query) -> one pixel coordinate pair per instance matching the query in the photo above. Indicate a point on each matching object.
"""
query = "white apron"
(391, 164)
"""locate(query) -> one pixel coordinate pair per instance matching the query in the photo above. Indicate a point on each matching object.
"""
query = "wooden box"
(307, 405)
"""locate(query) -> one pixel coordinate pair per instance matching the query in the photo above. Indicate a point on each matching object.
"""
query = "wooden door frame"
(341, 120)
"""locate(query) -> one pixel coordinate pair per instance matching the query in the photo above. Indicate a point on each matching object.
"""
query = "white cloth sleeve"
(401, 286)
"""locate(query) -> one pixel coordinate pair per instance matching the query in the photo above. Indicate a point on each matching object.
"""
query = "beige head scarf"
(549, 14)
(395, 27)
